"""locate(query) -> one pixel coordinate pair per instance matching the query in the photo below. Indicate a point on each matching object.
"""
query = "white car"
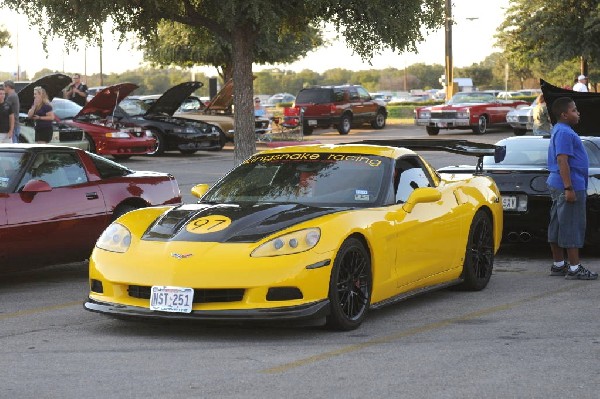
(521, 119)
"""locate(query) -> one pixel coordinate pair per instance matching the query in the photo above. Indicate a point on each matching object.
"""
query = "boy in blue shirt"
(568, 181)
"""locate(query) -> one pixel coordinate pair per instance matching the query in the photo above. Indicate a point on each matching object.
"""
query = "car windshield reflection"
(307, 178)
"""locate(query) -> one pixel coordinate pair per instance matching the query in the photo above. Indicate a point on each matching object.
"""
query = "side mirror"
(421, 195)
(36, 186)
(199, 190)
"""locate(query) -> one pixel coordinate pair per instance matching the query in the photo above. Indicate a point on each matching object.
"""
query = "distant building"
(464, 84)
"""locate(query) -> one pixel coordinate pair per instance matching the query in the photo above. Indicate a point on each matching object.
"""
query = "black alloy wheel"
(479, 256)
(350, 286)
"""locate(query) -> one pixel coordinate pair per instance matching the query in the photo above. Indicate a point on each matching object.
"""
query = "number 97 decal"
(208, 224)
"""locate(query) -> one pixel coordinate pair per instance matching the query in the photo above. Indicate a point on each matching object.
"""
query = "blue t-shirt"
(565, 141)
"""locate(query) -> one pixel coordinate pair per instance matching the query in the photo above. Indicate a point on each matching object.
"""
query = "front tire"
(350, 286)
(159, 148)
(379, 121)
(345, 124)
(479, 256)
(481, 126)
(432, 131)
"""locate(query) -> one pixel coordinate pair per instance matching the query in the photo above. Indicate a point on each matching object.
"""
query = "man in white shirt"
(581, 84)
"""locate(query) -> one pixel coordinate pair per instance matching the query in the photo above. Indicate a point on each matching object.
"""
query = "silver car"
(521, 119)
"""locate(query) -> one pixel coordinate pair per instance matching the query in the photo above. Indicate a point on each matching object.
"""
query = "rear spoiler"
(462, 147)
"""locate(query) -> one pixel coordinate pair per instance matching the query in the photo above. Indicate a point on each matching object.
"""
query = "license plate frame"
(171, 299)
(312, 122)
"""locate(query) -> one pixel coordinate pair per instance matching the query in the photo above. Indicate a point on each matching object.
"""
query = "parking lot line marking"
(38, 310)
(412, 331)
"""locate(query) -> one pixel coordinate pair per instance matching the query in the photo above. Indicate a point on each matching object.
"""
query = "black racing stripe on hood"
(247, 222)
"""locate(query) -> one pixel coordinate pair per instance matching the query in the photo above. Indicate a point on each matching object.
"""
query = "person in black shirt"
(7, 119)
(77, 91)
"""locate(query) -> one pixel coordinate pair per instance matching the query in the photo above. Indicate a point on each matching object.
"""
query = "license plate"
(312, 122)
(509, 203)
(442, 124)
(171, 299)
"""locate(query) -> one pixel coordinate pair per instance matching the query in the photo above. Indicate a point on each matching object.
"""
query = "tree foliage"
(550, 31)
(367, 26)
(185, 46)
(4, 38)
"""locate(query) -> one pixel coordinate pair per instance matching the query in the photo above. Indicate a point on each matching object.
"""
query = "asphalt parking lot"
(526, 335)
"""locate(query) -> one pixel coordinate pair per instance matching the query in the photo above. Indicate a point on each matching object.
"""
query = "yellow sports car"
(305, 232)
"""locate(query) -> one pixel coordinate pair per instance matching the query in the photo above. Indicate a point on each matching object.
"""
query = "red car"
(55, 201)
(466, 110)
(108, 136)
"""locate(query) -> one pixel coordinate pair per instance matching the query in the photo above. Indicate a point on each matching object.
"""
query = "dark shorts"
(43, 133)
(567, 219)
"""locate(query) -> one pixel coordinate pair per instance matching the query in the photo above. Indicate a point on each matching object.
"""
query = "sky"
(476, 22)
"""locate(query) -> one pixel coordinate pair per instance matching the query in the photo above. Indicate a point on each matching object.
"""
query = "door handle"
(91, 196)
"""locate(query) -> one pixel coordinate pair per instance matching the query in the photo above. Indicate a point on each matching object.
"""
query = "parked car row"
(105, 128)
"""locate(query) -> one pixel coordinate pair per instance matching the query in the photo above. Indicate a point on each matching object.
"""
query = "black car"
(521, 178)
(171, 133)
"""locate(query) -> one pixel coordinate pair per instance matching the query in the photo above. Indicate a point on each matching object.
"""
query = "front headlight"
(116, 238)
(291, 243)
(425, 115)
(462, 115)
(117, 135)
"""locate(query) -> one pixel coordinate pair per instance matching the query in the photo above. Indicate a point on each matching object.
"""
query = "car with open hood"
(55, 201)
(171, 133)
(219, 111)
(476, 110)
(63, 134)
(105, 133)
(323, 232)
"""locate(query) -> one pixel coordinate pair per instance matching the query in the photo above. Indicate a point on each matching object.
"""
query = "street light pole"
(449, 66)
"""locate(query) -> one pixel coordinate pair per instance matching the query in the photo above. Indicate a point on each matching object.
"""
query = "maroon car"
(55, 201)
(476, 110)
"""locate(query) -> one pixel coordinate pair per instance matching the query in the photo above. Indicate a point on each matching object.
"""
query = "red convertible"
(55, 201)
(466, 110)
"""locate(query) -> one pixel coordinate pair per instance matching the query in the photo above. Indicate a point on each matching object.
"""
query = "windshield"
(522, 152)
(324, 179)
(471, 98)
(11, 164)
(315, 96)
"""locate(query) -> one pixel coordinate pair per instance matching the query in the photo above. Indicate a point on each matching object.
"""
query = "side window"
(354, 94)
(338, 96)
(57, 169)
(409, 175)
(593, 159)
(364, 94)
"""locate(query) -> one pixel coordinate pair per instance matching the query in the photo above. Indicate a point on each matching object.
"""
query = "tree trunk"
(244, 137)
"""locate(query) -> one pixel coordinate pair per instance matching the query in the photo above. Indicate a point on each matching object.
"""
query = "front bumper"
(314, 310)
(443, 123)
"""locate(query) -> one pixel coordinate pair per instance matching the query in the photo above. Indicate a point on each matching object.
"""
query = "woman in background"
(43, 115)
(541, 119)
